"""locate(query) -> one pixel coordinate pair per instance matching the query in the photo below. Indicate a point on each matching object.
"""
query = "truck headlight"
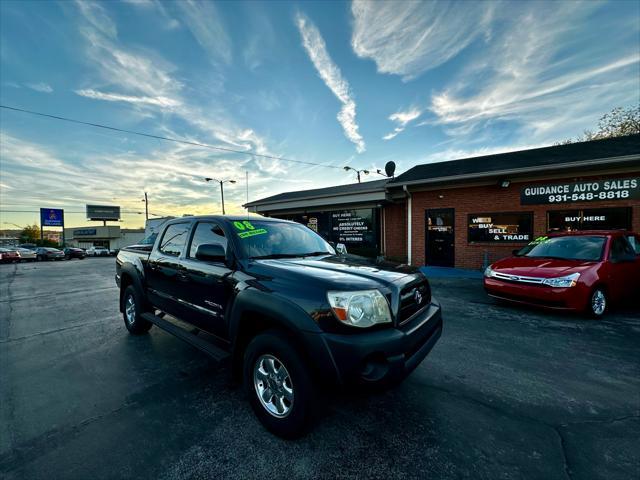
(562, 282)
(362, 308)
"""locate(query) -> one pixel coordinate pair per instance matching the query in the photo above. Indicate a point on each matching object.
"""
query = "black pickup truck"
(277, 302)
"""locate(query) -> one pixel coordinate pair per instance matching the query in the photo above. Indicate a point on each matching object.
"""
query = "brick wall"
(486, 199)
(395, 216)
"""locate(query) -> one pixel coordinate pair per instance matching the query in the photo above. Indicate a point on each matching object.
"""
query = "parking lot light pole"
(358, 172)
(221, 182)
(146, 206)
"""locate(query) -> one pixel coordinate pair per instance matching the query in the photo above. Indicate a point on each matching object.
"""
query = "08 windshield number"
(246, 229)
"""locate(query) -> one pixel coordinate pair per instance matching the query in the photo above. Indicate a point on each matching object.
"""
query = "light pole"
(358, 172)
(14, 224)
(146, 206)
(221, 182)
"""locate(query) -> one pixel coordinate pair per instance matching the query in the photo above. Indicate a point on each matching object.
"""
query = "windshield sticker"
(247, 229)
(539, 240)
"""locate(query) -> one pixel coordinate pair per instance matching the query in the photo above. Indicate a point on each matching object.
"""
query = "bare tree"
(619, 122)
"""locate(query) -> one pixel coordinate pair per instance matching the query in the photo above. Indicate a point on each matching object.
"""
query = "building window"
(502, 227)
(589, 219)
(358, 229)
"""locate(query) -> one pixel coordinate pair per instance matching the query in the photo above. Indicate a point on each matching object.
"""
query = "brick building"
(470, 212)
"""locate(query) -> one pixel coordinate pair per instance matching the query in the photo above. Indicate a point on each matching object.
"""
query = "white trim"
(409, 215)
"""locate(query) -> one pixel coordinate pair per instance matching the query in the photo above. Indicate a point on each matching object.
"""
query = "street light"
(221, 182)
(14, 224)
(358, 172)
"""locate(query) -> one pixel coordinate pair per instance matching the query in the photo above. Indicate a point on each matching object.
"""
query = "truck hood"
(541, 267)
(334, 271)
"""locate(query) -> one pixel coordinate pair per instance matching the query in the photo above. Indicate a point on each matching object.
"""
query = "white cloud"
(204, 22)
(402, 119)
(330, 73)
(408, 38)
(40, 87)
(534, 74)
(115, 97)
(97, 17)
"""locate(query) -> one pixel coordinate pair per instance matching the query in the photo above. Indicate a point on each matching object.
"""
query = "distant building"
(111, 237)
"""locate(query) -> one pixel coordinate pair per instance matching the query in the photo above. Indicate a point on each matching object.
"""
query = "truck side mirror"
(211, 252)
(341, 248)
(515, 252)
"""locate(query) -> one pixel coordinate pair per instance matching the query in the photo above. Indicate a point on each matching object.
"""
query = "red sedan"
(580, 271)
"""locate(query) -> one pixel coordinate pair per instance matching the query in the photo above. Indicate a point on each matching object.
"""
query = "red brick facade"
(474, 200)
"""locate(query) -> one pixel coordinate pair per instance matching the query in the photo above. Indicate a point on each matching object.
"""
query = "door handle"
(183, 277)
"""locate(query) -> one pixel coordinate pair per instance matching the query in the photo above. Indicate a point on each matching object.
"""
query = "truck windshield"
(587, 248)
(259, 239)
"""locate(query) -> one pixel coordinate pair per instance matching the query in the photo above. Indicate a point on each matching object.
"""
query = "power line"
(169, 139)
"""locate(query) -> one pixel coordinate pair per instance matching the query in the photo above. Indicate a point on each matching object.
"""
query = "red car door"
(624, 268)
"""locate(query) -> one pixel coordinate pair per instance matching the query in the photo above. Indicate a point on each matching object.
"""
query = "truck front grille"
(409, 304)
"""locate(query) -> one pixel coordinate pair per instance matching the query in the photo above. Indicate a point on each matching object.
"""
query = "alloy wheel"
(273, 385)
(130, 310)
(598, 302)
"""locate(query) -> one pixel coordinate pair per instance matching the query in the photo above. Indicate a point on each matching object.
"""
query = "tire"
(293, 416)
(598, 303)
(131, 310)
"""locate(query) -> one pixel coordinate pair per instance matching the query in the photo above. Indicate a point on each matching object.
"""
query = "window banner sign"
(587, 191)
(500, 227)
(51, 217)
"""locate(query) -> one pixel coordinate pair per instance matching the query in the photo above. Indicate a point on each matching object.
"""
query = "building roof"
(349, 189)
(523, 161)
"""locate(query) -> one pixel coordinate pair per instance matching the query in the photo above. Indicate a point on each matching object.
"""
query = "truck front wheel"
(279, 385)
(132, 308)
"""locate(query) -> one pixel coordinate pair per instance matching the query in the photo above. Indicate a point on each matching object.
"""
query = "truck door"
(208, 284)
(166, 282)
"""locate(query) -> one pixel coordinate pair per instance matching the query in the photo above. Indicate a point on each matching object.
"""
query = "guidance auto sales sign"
(588, 191)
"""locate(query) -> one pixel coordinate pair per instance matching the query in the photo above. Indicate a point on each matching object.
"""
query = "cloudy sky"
(336, 83)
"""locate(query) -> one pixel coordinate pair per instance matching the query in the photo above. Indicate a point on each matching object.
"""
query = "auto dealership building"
(468, 213)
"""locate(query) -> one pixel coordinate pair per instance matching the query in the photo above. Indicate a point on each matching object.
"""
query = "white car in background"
(98, 252)
(27, 255)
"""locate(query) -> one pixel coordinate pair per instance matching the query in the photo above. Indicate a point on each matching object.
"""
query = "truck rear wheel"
(279, 385)
(132, 308)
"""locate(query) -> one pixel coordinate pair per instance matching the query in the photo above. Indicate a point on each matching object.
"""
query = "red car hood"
(540, 267)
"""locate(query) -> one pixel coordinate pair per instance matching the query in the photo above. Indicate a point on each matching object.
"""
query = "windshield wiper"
(315, 254)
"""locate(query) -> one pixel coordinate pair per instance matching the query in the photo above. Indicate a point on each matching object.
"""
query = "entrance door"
(440, 238)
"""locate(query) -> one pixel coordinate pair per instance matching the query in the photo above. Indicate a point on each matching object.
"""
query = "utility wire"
(169, 139)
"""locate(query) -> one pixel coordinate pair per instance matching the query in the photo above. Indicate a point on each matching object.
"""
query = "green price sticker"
(539, 240)
(246, 229)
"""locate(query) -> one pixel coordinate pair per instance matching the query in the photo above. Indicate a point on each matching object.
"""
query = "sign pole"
(63, 228)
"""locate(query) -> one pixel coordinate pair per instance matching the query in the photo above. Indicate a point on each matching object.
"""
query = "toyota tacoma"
(277, 303)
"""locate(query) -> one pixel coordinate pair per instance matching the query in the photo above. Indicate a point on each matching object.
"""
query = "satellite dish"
(390, 168)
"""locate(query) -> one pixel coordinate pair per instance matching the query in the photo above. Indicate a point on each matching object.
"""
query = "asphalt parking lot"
(507, 393)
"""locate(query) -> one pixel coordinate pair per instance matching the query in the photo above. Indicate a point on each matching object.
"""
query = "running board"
(217, 353)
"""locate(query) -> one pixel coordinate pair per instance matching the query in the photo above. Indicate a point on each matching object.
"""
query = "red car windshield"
(587, 248)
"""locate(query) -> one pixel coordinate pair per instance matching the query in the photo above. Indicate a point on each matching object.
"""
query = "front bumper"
(573, 298)
(381, 356)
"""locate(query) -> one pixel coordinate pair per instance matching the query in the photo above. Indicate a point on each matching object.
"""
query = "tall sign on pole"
(51, 217)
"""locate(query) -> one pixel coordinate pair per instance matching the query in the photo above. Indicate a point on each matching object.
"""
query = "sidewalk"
(448, 272)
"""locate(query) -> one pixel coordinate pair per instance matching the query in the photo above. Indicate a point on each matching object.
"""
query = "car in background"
(73, 252)
(9, 255)
(579, 271)
(27, 255)
(48, 253)
(98, 252)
